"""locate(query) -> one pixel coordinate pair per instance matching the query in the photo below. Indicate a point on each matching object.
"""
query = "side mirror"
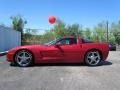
(57, 45)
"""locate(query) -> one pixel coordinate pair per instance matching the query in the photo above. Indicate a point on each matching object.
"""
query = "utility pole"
(107, 31)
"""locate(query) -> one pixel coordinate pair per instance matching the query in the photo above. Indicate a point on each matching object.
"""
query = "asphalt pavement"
(62, 77)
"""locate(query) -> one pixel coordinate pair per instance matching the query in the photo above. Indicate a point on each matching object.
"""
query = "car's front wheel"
(93, 58)
(24, 58)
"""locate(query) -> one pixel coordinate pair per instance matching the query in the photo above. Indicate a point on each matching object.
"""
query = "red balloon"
(52, 19)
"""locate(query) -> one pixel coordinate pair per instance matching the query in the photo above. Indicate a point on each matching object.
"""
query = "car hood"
(42, 47)
(32, 46)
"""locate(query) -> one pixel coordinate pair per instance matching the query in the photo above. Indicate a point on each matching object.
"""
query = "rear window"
(84, 40)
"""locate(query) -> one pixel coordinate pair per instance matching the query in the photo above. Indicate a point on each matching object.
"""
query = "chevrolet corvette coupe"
(62, 50)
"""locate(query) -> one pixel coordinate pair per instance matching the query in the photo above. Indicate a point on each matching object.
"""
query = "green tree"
(115, 29)
(59, 29)
(100, 33)
(48, 36)
(27, 35)
(18, 24)
(88, 33)
(74, 30)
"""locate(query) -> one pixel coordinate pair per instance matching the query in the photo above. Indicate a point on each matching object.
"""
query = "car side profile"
(62, 50)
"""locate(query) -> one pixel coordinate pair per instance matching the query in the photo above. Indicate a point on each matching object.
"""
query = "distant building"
(9, 38)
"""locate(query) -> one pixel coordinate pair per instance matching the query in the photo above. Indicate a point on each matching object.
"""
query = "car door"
(53, 54)
(70, 49)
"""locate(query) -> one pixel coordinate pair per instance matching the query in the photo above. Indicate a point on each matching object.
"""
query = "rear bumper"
(105, 55)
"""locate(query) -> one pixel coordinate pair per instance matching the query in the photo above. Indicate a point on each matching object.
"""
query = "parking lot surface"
(62, 77)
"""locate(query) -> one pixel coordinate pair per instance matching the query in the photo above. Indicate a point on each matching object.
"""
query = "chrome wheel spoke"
(21, 62)
(93, 54)
(19, 57)
(91, 61)
(27, 58)
(23, 54)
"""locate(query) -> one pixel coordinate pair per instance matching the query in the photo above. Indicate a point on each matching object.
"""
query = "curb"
(3, 53)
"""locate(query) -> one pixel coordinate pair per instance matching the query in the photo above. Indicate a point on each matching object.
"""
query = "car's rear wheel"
(93, 58)
(24, 58)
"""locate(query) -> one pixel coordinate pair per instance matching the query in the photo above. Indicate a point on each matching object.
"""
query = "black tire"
(93, 58)
(24, 58)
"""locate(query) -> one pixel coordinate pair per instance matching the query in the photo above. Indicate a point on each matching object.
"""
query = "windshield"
(52, 42)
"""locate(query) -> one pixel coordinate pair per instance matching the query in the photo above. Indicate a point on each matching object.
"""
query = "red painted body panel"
(74, 53)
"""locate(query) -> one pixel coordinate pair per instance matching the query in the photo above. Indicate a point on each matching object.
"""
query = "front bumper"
(10, 56)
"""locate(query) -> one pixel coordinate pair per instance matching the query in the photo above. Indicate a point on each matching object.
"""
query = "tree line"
(99, 33)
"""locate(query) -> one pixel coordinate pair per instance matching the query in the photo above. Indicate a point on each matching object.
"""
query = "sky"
(88, 13)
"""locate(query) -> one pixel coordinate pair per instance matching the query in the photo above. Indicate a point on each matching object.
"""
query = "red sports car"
(61, 50)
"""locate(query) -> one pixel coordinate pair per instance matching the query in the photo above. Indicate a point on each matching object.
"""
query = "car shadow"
(106, 63)
(60, 64)
(103, 63)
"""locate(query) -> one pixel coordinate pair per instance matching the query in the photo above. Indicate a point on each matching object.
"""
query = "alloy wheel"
(23, 58)
(93, 58)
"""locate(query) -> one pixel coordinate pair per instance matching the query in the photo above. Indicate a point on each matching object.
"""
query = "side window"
(65, 42)
(68, 41)
(73, 41)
